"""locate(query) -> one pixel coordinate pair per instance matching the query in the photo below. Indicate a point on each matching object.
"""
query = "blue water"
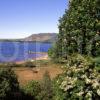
(18, 51)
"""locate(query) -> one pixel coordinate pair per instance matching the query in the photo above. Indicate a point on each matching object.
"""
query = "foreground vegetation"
(80, 80)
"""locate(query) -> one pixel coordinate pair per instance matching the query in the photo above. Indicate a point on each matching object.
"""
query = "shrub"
(9, 64)
(32, 89)
(40, 63)
(12, 64)
(81, 80)
(42, 90)
(8, 83)
(46, 88)
(29, 64)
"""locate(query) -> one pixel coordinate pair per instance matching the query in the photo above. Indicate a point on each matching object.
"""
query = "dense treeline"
(79, 30)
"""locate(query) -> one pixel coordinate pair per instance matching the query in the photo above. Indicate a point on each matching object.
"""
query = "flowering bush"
(81, 80)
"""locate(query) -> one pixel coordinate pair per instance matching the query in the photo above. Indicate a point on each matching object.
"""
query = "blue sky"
(21, 18)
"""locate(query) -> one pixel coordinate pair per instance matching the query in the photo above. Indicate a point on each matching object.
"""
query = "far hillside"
(42, 37)
(38, 37)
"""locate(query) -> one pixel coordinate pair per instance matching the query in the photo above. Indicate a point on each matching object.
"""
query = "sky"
(21, 18)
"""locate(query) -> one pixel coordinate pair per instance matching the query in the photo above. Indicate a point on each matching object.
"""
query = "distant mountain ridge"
(39, 37)
(42, 37)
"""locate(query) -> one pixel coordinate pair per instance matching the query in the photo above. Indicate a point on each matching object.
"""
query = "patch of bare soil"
(27, 74)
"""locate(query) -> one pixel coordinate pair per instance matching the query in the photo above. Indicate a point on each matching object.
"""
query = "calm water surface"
(19, 51)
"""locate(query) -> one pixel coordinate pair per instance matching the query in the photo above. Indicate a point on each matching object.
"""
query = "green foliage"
(42, 90)
(11, 65)
(50, 52)
(33, 89)
(46, 88)
(79, 30)
(58, 93)
(97, 61)
(8, 83)
(81, 81)
(29, 64)
(40, 63)
(53, 53)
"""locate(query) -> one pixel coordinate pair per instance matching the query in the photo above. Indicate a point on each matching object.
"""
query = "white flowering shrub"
(81, 81)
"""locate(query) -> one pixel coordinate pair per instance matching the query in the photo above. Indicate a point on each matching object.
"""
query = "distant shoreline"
(44, 57)
(24, 41)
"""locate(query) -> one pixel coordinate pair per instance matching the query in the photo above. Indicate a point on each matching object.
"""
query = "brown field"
(27, 74)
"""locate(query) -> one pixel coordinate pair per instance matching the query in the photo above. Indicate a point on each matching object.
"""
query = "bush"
(40, 63)
(42, 90)
(81, 81)
(46, 88)
(12, 65)
(32, 89)
(29, 64)
(8, 83)
(9, 64)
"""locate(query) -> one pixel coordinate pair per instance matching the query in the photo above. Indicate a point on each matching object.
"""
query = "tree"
(79, 29)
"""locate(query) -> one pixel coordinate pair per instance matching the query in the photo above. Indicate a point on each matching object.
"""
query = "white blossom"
(95, 84)
(80, 93)
(87, 81)
(98, 92)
